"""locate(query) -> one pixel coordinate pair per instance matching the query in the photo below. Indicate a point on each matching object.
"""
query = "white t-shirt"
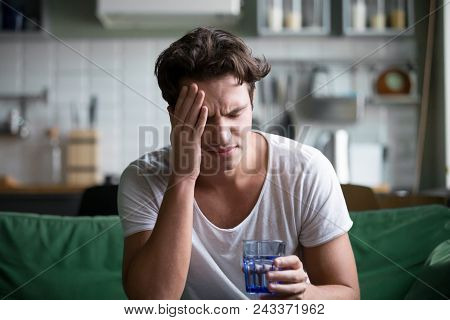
(301, 203)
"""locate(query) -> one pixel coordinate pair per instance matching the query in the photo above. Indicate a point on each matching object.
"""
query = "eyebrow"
(235, 110)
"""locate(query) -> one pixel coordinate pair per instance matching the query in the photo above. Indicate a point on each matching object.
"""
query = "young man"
(186, 208)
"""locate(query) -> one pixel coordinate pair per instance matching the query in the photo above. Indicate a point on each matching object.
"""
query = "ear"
(253, 98)
(170, 110)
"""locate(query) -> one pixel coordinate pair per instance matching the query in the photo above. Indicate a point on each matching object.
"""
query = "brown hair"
(206, 53)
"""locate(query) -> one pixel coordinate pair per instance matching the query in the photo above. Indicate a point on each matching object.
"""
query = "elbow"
(356, 294)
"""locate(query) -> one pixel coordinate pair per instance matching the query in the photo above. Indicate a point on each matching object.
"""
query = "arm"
(331, 265)
(332, 270)
(156, 262)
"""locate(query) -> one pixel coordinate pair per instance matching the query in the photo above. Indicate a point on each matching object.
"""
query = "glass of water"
(258, 258)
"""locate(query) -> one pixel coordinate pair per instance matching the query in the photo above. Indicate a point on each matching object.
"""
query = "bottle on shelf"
(275, 15)
(55, 155)
(398, 15)
(359, 15)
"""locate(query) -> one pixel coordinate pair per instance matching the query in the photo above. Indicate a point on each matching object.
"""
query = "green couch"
(57, 257)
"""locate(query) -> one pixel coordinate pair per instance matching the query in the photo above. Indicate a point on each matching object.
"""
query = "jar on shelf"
(397, 14)
(293, 15)
(378, 16)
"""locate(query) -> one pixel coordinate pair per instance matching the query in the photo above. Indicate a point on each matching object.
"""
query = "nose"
(218, 135)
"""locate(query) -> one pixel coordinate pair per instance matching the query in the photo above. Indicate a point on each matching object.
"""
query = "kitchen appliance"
(335, 146)
(366, 164)
(167, 14)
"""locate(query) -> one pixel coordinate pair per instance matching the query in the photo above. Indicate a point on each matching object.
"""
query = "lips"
(225, 150)
(222, 150)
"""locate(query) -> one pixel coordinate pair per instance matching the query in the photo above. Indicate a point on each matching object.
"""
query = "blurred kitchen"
(362, 80)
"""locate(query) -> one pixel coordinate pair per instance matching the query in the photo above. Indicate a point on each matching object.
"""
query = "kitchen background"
(83, 75)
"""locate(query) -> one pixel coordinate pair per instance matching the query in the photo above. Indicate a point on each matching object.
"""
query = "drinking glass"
(258, 258)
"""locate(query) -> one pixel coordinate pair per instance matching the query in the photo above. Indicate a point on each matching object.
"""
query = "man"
(186, 208)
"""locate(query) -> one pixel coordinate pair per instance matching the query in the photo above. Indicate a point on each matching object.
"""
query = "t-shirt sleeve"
(324, 211)
(137, 201)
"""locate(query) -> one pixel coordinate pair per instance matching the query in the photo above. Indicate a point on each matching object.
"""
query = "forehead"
(222, 89)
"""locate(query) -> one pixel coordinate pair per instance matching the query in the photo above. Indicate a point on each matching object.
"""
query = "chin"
(223, 165)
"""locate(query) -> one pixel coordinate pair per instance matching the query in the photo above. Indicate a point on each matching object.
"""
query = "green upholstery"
(406, 236)
(31, 244)
(39, 257)
(435, 277)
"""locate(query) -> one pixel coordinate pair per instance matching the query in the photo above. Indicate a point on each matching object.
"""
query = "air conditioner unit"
(167, 14)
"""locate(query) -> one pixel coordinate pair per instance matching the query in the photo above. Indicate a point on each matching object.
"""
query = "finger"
(192, 117)
(288, 262)
(200, 125)
(287, 276)
(178, 106)
(290, 288)
(188, 101)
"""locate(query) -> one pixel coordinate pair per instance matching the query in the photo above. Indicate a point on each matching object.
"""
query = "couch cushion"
(435, 278)
(405, 236)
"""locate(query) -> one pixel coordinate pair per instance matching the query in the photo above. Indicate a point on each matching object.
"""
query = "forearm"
(331, 292)
(159, 269)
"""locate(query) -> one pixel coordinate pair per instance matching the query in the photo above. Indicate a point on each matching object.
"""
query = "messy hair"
(207, 53)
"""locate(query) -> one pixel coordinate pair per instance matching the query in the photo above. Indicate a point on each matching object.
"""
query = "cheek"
(244, 122)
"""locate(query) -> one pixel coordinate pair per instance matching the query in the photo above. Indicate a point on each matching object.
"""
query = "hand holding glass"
(258, 258)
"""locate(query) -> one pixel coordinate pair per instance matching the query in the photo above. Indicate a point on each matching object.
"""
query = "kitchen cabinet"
(293, 17)
(377, 17)
(21, 17)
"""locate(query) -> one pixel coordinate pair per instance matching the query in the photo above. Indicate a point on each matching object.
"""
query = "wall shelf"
(16, 125)
(393, 100)
(26, 98)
